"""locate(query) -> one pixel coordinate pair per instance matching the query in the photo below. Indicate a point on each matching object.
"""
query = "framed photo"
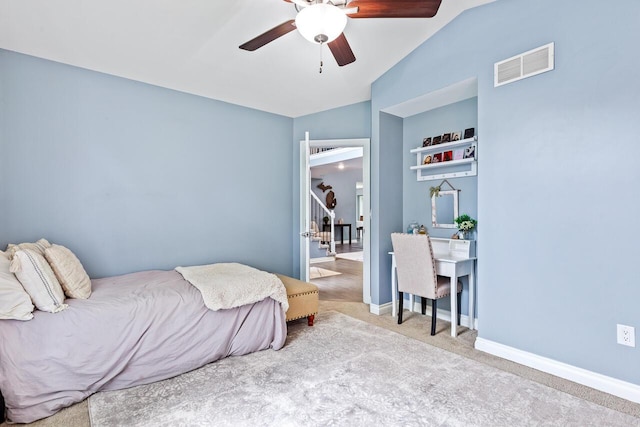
(447, 156)
(437, 158)
(437, 140)
(426, 142)
(458, 154)
(455, 136)
(427, 159)
(469, 133)
(470, 152)
(446, 137)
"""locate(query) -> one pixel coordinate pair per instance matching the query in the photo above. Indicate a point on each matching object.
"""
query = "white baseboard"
(380, 309)
(591, 379)
(385, 309)
(442, 314)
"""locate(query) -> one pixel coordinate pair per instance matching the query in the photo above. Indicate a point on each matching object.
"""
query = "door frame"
(305, 185)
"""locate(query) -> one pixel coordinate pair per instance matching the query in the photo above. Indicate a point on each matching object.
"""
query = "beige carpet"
(415, 326)
(346, 372)
(318, 272)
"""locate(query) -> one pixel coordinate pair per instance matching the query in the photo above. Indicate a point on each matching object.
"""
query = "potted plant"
(434, 191)
(325, 219)
(466, 225)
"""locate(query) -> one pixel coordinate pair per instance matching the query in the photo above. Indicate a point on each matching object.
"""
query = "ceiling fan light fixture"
(321, 22)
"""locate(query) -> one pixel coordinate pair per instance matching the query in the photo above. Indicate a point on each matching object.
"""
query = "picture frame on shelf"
(469, 133)
(470, 152)
(458, 157)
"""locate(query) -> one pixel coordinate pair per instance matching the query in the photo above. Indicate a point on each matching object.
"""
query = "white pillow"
(39, 280)
(38, 246)
(15, 303)
(69, 271)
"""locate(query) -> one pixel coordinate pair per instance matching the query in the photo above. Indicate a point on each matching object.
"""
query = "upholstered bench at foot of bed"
(303, 299)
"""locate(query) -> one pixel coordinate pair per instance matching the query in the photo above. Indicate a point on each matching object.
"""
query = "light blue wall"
(557, 173)
(416, 201)
(344, 188)
(386, 199)
(349, 122)
(132, 176)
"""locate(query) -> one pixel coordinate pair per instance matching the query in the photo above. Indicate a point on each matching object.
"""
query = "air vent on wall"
(525, 65)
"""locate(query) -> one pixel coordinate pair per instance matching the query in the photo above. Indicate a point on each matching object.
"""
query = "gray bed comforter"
(134, 329)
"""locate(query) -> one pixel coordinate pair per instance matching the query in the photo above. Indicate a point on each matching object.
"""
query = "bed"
(134, 329)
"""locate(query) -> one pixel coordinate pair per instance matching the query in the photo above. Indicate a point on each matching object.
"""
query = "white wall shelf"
(446, 146)
(443, 164)
(426, 172)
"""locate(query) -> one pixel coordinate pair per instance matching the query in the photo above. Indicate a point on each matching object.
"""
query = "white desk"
(454, 259)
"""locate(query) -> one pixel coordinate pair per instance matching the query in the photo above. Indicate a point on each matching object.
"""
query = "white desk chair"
(416, 269)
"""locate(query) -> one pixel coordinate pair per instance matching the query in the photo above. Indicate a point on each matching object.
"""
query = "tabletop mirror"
(444, 209)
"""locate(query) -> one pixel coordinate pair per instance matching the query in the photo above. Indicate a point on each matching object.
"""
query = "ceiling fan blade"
(342, 51)
(269, 36)
(395, 9)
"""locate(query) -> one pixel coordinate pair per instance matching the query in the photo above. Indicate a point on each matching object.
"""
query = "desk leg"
(454, 306)
(394, 286)
(472, 295)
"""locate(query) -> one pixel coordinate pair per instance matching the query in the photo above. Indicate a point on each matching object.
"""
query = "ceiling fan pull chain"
(321, 57)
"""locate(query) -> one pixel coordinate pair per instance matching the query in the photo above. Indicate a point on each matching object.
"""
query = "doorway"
(338, 274)
(350, 263)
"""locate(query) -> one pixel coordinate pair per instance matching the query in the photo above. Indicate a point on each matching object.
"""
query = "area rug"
(318, 272)
(353, 256)
(345, 372)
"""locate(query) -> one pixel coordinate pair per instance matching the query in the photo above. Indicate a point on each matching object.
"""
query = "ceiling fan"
(322, 21)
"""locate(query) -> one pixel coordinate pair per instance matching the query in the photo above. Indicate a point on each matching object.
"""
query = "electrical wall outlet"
(627, 335)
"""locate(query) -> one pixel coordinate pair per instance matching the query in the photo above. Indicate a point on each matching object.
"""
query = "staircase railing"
(318, 212)
(317, 150)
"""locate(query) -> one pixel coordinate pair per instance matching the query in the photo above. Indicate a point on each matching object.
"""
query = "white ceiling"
(192, 46)
(335, 160)
(321, 171)
(438, 98)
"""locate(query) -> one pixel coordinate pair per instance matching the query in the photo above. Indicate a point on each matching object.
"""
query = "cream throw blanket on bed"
(229, 285)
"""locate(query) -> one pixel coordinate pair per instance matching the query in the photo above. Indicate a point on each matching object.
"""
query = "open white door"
(305, 207)
(305, 204)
